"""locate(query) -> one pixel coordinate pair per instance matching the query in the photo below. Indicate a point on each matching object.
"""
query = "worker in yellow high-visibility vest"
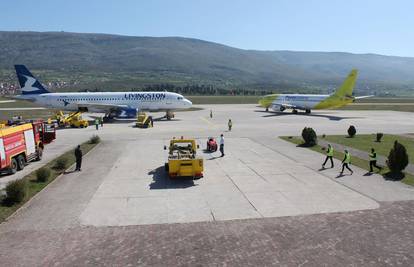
(346, 161)
(373, 160)
(329, 155)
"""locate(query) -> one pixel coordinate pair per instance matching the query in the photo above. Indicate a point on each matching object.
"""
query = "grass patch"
(365, 142)
(34, 186)
(218, 99)
(393, 107)
(361, 163)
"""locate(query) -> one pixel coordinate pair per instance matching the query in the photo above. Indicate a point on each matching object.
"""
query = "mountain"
(136, 61)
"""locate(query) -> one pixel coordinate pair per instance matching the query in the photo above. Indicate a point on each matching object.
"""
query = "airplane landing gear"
(169, 115)
(308, 111)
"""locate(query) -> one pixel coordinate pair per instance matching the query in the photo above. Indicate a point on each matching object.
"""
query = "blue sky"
(365, 26)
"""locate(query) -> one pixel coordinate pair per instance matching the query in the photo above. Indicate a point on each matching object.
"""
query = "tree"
(309, 136)
(397, 158)
(351, 131)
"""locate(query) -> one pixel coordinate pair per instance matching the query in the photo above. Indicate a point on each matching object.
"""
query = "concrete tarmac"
(260, 176)
(90, 217)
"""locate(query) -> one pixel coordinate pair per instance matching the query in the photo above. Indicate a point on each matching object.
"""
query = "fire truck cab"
(23, 143)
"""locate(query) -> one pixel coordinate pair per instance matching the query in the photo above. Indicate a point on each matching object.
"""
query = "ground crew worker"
(211, 113)
(346, 161)
(329, 155)
(78, 156)
(373, 160)
(230, 124)
(222, 145)
(97, 123)
(101, 121)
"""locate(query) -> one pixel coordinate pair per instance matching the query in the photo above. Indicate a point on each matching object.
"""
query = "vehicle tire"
(13, 166)
(82, 126)
(267, 109)
(21, 162)
(39, 154)
(308, 111)
(294, 111)
(167, 168)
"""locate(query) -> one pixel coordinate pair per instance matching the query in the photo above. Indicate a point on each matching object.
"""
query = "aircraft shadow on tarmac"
(160, 180)
(330, 117)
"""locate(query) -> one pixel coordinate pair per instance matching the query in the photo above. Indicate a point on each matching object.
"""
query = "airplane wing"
(106, 107)
(364, 96)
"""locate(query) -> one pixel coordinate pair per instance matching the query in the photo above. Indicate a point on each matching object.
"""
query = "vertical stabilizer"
(348, 85)
(28, 83)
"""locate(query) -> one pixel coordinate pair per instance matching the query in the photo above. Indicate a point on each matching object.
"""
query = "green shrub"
(351, 131)
(95, 139)
(43, 174)
(61, 163)
(397, 158)
(309, 136)
(379, 137)
(16, 191)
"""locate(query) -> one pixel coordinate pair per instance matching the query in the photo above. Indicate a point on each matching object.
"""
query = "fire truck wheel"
(21, 162)
(13, 166)
(39, 154)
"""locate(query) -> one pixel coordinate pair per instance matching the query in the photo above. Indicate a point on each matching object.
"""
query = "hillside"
(114, 61)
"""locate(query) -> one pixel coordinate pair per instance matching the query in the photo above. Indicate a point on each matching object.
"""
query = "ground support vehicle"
(211, 144)
(73, 120)
(183, 160)
(144, 121)
(20, 144)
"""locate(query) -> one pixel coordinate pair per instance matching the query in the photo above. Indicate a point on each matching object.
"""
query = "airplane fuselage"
(98, 101)
(299, 101)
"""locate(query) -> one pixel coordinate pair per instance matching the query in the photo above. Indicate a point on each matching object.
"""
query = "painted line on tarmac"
(35, 108)
(209, 122)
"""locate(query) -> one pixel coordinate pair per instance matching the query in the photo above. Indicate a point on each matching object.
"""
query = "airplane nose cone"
(188, 103)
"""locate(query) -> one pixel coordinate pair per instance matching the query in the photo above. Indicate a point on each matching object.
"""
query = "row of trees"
(202, 90)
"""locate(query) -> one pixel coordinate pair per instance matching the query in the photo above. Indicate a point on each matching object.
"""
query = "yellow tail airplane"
(341, 97)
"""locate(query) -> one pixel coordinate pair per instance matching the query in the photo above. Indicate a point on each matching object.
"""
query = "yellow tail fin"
(343, 95)
(348, 85)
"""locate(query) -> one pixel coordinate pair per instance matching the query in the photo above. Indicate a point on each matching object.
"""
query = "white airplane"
(113, 104)
(341, 97)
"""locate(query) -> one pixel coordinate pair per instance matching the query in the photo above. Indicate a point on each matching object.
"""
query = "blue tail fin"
(28, 83)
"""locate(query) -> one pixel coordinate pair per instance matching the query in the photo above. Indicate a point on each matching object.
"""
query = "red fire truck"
(20, 144)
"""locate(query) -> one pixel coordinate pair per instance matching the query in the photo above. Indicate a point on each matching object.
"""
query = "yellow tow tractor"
(144, 121)
(183, 160)
(73, 120)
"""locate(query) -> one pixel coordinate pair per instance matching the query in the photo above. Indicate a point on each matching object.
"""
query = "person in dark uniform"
(78, 156)
(373, 160)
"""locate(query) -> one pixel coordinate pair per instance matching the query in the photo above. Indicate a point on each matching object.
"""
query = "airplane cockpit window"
(180, 98)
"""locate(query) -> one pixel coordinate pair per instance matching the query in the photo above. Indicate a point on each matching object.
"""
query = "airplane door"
(168, 100)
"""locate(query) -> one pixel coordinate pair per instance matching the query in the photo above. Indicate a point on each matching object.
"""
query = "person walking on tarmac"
(96, 123)
(230, 124)
(101, 121)
(345, 162)
(329, 155)
(211, 113)
(222, 145)
(78, 156)
(373, 160)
